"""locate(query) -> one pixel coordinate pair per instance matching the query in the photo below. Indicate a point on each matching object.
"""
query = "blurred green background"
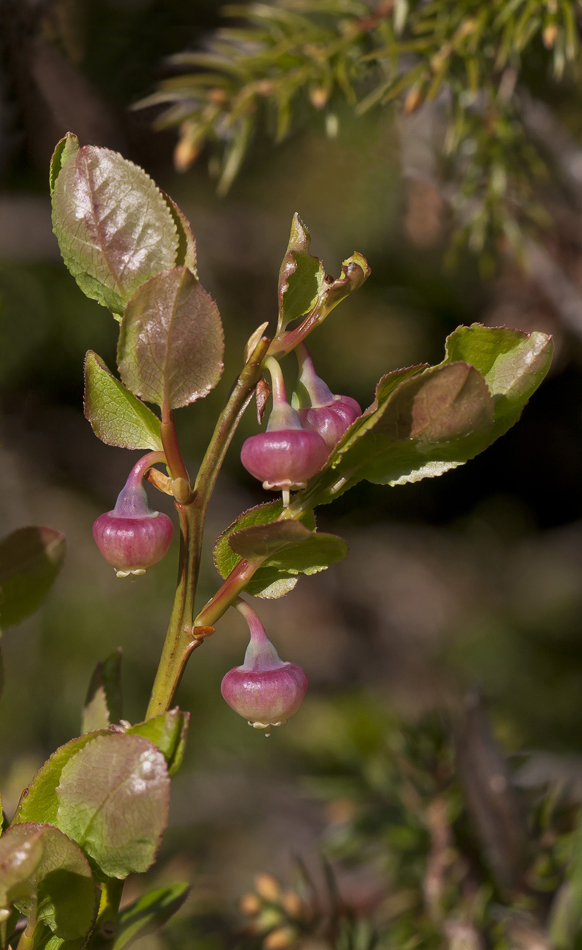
(473, 578)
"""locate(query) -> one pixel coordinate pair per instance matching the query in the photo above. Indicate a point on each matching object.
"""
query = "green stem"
(106, 924)
(182, 638)
(228, 423)
(178, 643)
(26, 941)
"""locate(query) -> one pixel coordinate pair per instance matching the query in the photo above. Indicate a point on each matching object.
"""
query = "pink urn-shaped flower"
(319, 410)
(265, 690)
(286, 455)
(132, 537)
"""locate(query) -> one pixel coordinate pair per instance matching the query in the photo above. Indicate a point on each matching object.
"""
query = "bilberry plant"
(97, 809)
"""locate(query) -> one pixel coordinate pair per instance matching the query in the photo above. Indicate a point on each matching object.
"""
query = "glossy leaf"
(114, 228)
(168, 733)
(289, 548)
(301, 276)
(63, 894)
(19, 858)
(103, 704)
(513, 363)
(148, 913)
(421, 427)
(30, 559)
(39, 802)
(116, 415)
(171, 343)
(118, 817)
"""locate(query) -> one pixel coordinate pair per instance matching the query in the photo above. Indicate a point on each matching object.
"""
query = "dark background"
(474, 577)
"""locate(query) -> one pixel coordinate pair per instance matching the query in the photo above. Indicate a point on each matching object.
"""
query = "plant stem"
(226, 595)
(26, 941)
(182, 638)
(141, 467)
(171, 448)
(178, 643)
(228, 424)
(106, 924)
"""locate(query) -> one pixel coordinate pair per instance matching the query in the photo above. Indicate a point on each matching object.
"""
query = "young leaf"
(103, 704)
(148, 913)
(118, 817)
(186, 256)
(355, 270)
(116, 415)
(63, 151)
(285, 548)
(114, 228)
(39, 801)
(30, 559)
(301, 276)
(433, 421)
(63, 894)
(19, 858)
(170, 342)
(513, 363)
(168, 733)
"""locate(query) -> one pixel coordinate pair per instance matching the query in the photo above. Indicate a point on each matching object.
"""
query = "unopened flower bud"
(250, 905)
(268, 887)
(132, 537)
(286, 455)
(319, 410)
(280, 939)
(265, 690)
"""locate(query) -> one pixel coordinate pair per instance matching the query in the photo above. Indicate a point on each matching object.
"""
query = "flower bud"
(132, 537)
(319, 410)
(286, 455)
(265, 690)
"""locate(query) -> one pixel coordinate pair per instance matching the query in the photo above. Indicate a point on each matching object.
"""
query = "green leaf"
(103, 704)
(513, 363)
(421, 427)
(19, 858)
(39, 801)
(43, 939)
(113, 802)
(116, 415)
(301, 276)
(355, 270)
(148, 913)
(30, 559)
(287, 549)
(114, 228)
(225, 559)
(170, 342)
(63, 151)
(63, 894)
(168, 733)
